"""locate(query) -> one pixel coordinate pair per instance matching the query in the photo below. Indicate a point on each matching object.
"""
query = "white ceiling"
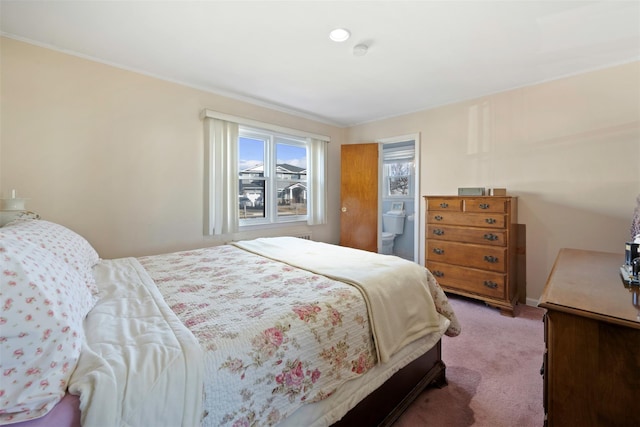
(421, 54)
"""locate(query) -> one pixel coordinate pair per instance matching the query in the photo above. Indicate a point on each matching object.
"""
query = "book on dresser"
(475, 247)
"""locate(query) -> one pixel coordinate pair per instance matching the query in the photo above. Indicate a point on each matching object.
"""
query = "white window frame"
(270, 139)
(317, 160)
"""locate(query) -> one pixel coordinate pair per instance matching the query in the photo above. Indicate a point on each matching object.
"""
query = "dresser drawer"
(444, 204)
(491, 258)
(465, 234)
(486, 204)
(468, 219)
(470, 280)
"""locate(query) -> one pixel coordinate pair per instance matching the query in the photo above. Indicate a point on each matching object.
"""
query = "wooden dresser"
(471, 247)
(592, 334)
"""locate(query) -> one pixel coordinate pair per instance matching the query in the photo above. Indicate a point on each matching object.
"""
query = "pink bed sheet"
(65, 414)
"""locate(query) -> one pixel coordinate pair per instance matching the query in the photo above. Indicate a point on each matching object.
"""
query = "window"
(261, 175)
(398, 170)
(272, 175)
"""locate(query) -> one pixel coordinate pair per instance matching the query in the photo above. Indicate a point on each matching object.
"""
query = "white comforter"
(140, 366)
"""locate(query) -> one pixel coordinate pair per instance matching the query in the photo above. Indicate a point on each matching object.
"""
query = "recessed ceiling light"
(339, 35)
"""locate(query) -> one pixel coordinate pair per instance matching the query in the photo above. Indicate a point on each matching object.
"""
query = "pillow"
(65, 244)
(44, 302)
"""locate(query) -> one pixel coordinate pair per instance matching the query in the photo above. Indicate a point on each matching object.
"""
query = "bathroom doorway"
(399, 196)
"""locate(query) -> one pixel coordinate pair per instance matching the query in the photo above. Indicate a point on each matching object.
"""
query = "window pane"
(291, 177)
(292, 198)
(251, 192)
(291, 161)
(251, 199)
(250, 154)
(398, 174)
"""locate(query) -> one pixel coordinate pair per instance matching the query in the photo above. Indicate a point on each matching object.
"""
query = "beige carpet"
(493, 372)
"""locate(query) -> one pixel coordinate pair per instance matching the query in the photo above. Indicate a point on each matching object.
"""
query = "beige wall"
(569, 149)
(118, 156)
(115, 155)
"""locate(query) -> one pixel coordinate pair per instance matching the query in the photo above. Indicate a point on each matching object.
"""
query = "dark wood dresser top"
(589, 283)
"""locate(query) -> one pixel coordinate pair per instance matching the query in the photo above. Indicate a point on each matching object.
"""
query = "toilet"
(392, 225)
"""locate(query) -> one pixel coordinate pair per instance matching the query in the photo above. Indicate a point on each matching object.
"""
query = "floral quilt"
(275, 336)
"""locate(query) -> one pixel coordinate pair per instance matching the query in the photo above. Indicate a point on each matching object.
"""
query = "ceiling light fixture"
(360, 49)
(339, 35)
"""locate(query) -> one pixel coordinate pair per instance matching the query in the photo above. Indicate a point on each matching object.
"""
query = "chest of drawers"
(592, 335)
(471, 247)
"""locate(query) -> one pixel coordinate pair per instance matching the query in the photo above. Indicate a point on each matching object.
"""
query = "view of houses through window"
(272, 177)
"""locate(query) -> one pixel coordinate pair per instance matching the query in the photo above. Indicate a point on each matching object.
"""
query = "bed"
(272, 331)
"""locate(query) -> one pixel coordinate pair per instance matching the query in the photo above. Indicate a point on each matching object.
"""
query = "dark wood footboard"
(380, 408)
(391, 399)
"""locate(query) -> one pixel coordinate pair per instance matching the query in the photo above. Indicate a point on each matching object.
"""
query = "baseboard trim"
(532, 302)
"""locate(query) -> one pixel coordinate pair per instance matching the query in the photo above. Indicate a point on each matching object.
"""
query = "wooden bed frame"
(381, 408)
(385, 405)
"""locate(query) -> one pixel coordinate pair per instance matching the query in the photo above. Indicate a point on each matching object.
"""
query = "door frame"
(418, 229)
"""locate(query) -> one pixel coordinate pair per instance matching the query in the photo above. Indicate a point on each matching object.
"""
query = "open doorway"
(399, 196)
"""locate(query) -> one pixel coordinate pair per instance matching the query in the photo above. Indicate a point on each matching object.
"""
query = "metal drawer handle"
(438, 218)
(491, 237)
(490, 220)
(444, 205)
(484, 205)
(491, 259)
(438, 251)
(438, 273)
(438, 232)
(490, 284)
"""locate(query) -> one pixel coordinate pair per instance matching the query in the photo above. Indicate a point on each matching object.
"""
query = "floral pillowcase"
(45, 297)
(65, 244)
